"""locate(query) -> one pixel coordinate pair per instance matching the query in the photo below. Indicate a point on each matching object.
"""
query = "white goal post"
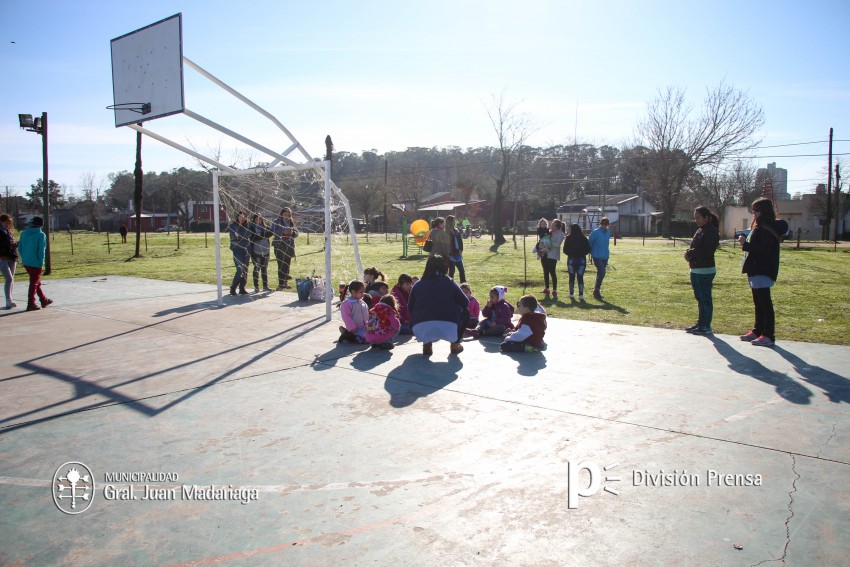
(329, 190)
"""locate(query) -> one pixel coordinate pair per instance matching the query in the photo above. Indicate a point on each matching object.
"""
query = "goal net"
(327, 242)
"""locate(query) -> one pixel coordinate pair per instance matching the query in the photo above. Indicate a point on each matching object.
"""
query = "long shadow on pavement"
(785, 386)
(837, 387)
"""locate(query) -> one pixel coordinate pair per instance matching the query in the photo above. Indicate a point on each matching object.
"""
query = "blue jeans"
(240, 278)
(702, 292)
(7, 268)
(576, 267)
(601, 267)
(459, 266)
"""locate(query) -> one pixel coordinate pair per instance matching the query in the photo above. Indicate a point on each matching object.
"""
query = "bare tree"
(720, 188)
(512, 130)
(680, 145)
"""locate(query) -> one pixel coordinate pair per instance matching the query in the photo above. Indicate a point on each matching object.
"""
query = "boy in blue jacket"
(31, 247)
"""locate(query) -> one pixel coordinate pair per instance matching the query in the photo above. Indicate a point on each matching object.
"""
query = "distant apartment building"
(780, 180)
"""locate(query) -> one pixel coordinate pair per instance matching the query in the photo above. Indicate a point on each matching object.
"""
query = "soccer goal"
(318, 206)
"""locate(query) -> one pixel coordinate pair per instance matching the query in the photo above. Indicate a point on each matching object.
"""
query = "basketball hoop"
(138, 107)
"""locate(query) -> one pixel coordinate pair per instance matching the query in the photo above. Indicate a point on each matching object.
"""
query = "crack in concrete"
(825, 443)
(788, 519)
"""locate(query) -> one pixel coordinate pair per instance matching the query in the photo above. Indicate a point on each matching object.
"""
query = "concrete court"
(365, 457)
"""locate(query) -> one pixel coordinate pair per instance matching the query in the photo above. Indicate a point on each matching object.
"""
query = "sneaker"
(33, 307)
(581, 298)
(702, 331)
(456, 348)
(256, 290)
(597, 295)
(554, 294)
(267, 288)
(427, 349)
(545, 291)
(243, 291)
(692, 328)
(749, 337)
(11, 305)
(572, 296)
(762, 341)
(46, 302)
(529, 348)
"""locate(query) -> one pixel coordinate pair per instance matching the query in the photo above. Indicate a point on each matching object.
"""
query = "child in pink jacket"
(383, 324)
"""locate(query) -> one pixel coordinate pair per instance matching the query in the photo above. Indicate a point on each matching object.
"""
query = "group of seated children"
(372, 315)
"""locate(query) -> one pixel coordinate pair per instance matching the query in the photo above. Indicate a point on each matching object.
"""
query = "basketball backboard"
(147, 69)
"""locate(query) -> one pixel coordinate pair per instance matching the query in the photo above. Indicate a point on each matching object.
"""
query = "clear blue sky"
(389, 75)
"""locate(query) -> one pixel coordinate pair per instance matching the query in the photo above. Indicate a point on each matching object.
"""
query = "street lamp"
(39, 126)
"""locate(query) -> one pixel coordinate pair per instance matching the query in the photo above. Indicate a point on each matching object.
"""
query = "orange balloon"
(420, 229)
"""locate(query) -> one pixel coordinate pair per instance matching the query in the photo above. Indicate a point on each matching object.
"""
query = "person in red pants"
(31, 247)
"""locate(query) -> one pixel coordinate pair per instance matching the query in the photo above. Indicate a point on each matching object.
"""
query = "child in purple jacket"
(497, 314)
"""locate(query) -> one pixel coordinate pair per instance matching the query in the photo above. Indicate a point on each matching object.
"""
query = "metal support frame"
(278, 157)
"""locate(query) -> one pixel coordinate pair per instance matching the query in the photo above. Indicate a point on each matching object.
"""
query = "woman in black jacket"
(761, 264)
(576, 247)
(700, 258)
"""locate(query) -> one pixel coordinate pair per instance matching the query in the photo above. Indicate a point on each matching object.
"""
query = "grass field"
(647, 283)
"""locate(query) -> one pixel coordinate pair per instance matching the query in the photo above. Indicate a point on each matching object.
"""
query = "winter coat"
(31, 247)
(240, 238)
(501, 313)
(260, 245)
(8, 246)
(555, 251)
(576, 246)
(761, 249)
(438, 298)
(354, 313)
(705, 242)
(382, 324)
(598, 241)
(442, 243)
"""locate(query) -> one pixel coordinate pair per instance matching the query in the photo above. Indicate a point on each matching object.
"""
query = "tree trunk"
(496, 214)
(137, 192)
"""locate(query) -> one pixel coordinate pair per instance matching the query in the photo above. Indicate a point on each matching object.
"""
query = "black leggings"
(549, 271)
(765, 319)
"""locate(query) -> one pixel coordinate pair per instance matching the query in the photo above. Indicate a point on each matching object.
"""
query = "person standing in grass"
(31, 247)
(761, 264)
(700, 258)
(599, 254)
(456, 256)
(577, 248)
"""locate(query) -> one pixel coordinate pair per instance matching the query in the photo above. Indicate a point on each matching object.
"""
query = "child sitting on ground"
(401, 293)
(474, 308)
(498, 313)
(528, 336)
(354, 313)
(383, 324)
(370, 278)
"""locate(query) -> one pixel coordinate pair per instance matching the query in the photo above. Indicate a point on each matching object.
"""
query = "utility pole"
(828, 191)
(838, 215)
(385, 197)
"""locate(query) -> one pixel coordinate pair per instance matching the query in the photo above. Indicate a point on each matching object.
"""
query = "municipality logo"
(73, 488)
(576, 486)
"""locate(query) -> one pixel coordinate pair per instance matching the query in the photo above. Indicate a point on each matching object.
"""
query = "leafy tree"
(35, 196)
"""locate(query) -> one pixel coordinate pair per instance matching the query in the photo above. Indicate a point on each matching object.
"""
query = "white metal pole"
(216, 209)
(328, 281)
